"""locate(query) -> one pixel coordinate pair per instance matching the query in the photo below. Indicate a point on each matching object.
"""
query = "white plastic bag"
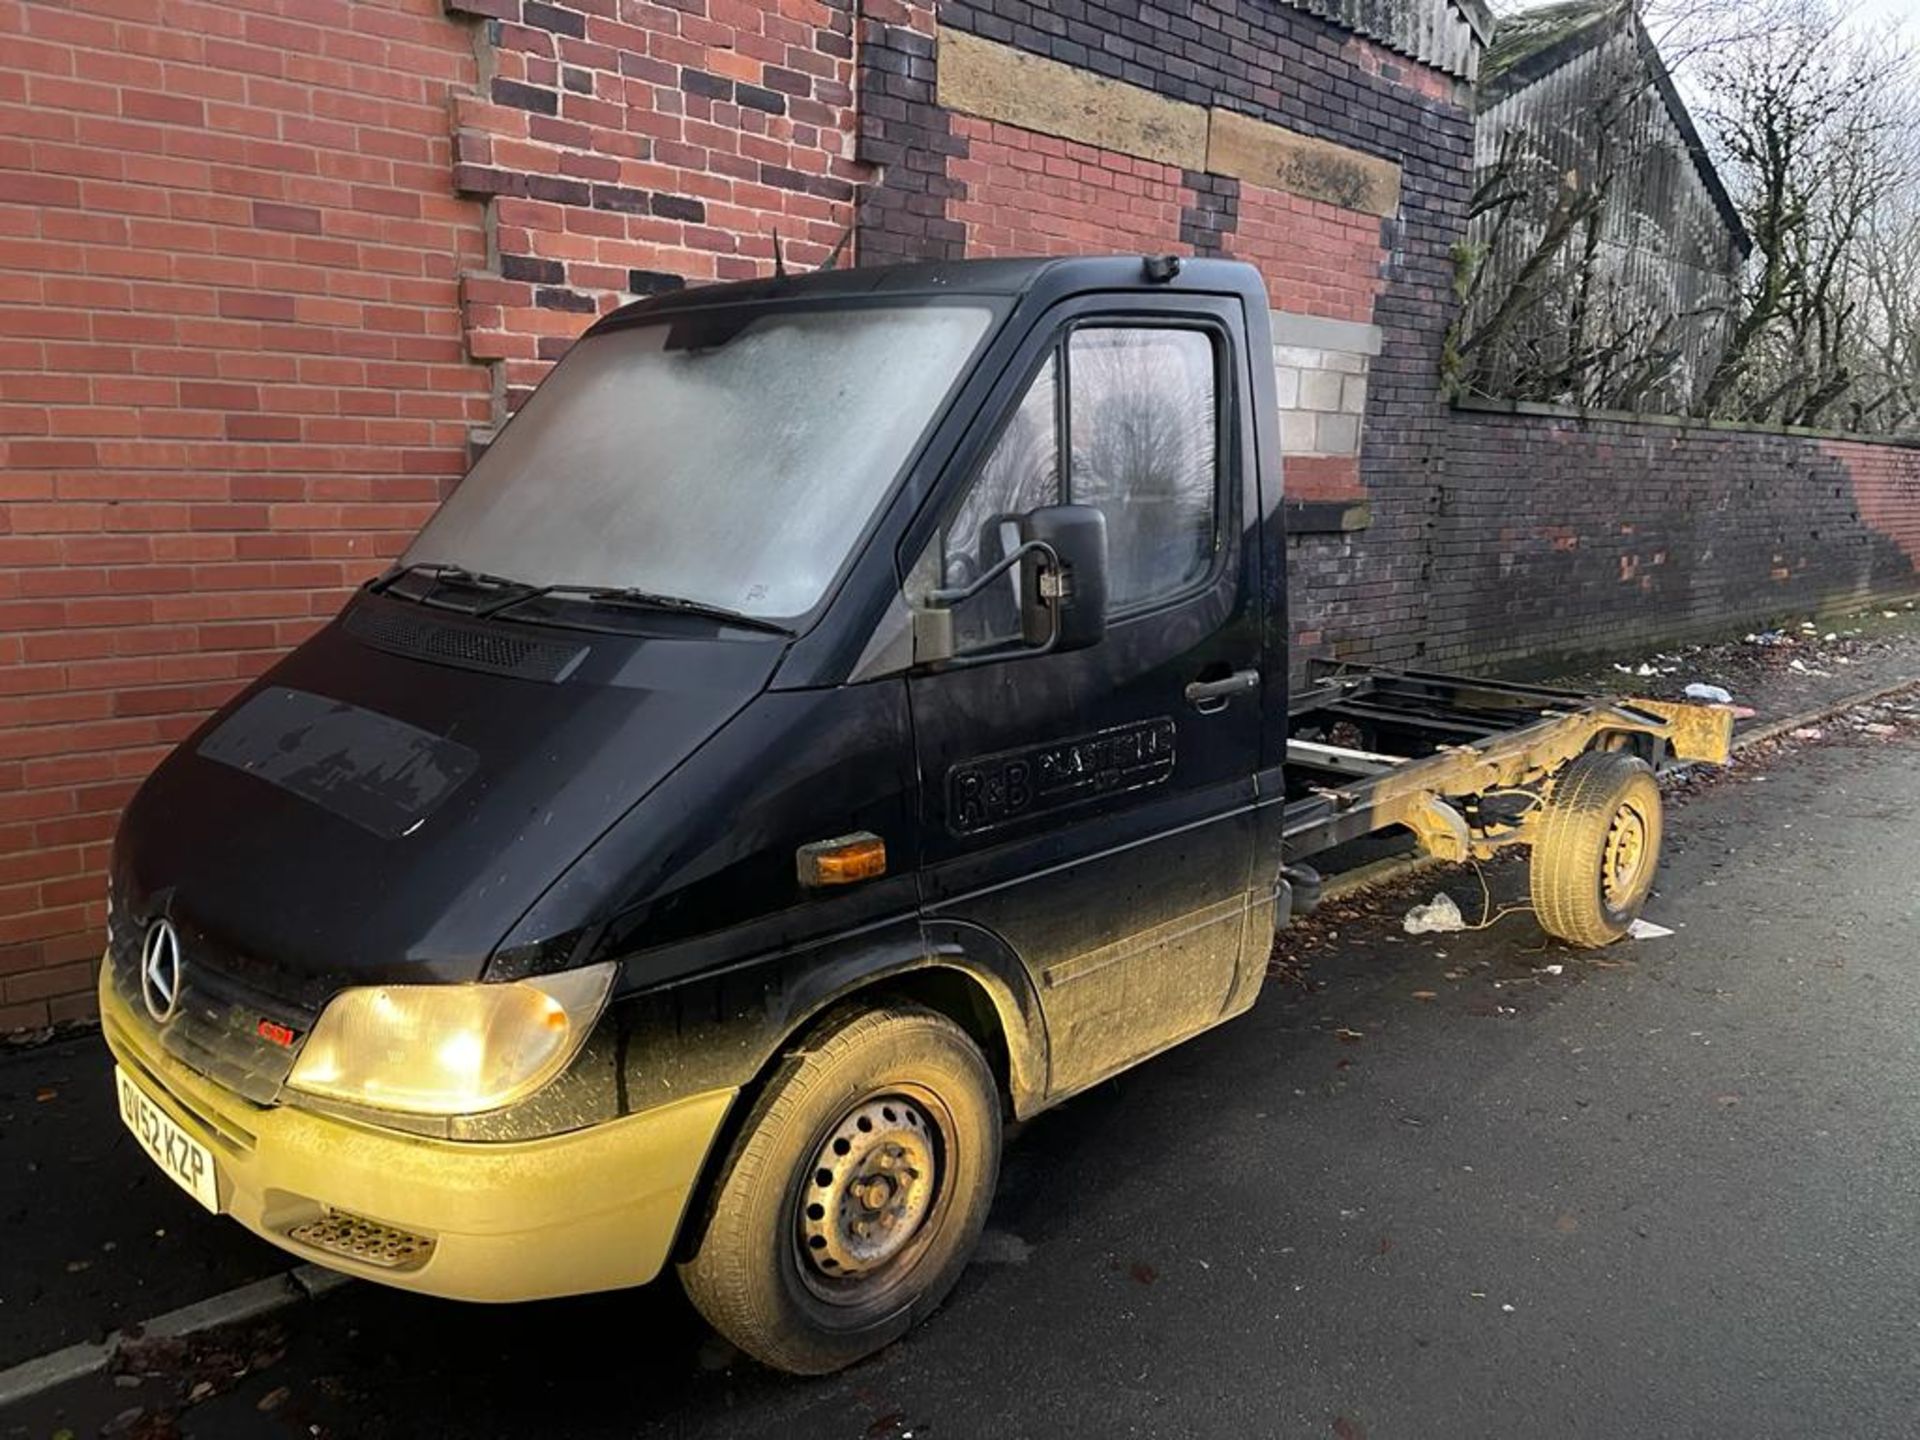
(1439, 916)
(1712, 694)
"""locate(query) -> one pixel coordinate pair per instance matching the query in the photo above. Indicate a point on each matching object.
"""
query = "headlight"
(450, 1049)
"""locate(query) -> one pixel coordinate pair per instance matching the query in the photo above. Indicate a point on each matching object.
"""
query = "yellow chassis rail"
(1525, 737)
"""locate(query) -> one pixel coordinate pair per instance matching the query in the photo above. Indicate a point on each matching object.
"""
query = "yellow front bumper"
(596, 1209)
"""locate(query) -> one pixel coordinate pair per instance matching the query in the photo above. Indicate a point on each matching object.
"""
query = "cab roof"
(1041, 277)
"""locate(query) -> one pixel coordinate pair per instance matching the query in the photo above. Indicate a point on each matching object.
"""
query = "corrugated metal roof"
(1529, 46)
(1446, 34)
(1601, 215)
(1518, 39)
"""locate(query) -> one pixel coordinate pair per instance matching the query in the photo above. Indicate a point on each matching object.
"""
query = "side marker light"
(842, 860)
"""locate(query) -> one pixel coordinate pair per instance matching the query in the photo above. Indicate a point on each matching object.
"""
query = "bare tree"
(1886, 396)
(1815, 122)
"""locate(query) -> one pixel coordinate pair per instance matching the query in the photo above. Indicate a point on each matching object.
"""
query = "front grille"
(214, 1031)
(469, 647)
(368, 1241)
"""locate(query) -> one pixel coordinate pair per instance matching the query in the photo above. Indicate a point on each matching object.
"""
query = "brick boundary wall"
(1557, 536)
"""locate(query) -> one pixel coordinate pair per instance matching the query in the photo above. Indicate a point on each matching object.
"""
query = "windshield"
(728, 457)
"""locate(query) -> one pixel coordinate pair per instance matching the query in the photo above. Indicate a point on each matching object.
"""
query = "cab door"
(1095, 809)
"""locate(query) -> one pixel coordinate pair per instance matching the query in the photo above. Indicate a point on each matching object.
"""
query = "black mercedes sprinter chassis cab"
(837, 716)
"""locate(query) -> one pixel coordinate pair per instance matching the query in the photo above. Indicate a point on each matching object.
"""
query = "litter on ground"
(1712, 694)
(1439, 916)
(1647, 930)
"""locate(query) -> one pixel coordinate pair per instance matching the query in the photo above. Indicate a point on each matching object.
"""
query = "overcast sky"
(1907, 12)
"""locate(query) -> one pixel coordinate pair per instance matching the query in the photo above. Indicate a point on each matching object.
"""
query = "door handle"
(1209, 696)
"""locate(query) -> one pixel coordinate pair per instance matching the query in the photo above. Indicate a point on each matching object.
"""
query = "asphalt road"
(93, 1235)
(1672, 1189)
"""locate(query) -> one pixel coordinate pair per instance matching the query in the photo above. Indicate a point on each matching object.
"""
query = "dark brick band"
(1214, 213)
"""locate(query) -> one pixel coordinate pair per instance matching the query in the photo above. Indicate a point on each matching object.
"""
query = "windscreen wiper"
(632, 598)
(437, 570)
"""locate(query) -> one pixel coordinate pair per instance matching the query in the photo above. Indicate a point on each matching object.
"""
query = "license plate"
(185, 1159)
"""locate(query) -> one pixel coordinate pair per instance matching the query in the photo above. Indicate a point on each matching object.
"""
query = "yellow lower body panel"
(596, 1209)
(1701, 734)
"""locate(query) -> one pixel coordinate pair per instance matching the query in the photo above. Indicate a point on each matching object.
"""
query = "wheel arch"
(957, 969)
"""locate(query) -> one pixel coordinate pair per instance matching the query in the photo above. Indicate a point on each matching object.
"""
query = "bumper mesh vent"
(368, 1241)
(468, 647)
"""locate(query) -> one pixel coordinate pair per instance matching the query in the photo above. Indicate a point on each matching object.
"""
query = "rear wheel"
(1597, 848)
(849, 1203)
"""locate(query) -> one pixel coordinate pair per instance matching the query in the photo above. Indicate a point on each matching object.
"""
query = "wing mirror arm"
(940, 604)
(1063, 590)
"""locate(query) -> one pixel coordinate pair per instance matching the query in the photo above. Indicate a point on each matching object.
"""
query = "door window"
(1145, 431)
(1141, 413)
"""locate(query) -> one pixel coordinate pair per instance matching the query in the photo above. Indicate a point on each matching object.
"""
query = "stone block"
(1319, 390)
(1298, 433)
(1336, 434)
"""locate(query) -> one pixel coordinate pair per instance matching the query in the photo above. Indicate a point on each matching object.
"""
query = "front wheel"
(1597, 847)
(856, 1189)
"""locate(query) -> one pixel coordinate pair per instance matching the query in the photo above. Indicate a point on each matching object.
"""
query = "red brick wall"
(249, 256)
(1886, 491)
(231, 382)
(641, 150)
(1032, 194)
(1318, 259)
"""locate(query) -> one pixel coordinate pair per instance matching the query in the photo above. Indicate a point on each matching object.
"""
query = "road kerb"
(230, 1307)
(1774, 729)
(244, 1302)
(317, 1280)
(43, 1372)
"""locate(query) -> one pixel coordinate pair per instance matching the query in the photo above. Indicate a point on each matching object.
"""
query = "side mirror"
(1061, 554)
(1063, 577)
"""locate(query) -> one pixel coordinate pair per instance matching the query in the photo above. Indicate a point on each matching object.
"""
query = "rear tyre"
(1597, 848)
(856, 1189)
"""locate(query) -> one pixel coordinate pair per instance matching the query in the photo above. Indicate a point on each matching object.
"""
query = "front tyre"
(1597, 848)
(854, 1193)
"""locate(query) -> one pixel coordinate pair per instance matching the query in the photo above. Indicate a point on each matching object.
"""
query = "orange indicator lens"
(843, 860)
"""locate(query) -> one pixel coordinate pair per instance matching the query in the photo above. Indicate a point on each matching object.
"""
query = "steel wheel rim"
(869, 1200)
(1624, 864)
